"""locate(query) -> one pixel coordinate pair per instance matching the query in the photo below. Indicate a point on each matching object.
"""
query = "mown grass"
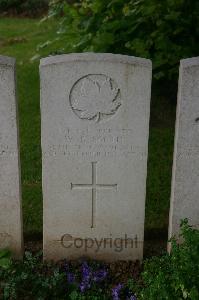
(19, 38)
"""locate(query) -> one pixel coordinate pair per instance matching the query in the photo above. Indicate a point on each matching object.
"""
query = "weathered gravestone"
(10, 196)
(95, 122)
(185, 181)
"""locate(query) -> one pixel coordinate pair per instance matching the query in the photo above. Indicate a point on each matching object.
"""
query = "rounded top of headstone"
(101, 57)
(189, 62)
(7, 61)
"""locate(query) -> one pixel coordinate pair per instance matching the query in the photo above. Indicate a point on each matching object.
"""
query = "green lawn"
(19, 38)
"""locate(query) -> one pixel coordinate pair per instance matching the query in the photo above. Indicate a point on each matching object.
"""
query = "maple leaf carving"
(95, 98)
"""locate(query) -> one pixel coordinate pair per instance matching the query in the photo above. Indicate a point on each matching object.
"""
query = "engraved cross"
(93, 187)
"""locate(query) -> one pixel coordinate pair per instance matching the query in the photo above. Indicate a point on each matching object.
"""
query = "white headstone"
(10, 194)
(185, 181)
(95, 123)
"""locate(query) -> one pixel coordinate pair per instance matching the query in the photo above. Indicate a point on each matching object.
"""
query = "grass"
(159, 165)
(19, 38)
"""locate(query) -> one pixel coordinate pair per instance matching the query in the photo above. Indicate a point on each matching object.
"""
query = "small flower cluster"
(88, 278)
(116, 291)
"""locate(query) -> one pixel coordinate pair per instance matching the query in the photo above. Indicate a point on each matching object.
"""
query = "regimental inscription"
(94, 151)
(93, 144)
(95, 97)
(93, 187)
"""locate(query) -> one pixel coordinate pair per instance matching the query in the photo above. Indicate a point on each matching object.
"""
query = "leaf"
(87, 115)
(5, 258)
(194, 294)
(5, 263)
(74, 295)
(95, 97)
(5, 253)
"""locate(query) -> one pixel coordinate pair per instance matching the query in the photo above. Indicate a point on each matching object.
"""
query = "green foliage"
(18, 38)
(31, 279)
(34, 279)
(5, 259)
(27, 7)
(164, 31)
(174, 276)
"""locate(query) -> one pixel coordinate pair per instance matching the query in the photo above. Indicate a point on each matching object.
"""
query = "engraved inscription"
(93, 187)
(95, 97)
(197, 123)
(197, 120)
(96, 143)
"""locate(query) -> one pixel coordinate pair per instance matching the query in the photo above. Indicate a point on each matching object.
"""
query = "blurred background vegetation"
(31, 8)
(164, 31)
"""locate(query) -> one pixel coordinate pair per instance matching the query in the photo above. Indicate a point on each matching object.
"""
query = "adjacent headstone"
(95, 124)
(10, 194)
(185, 181)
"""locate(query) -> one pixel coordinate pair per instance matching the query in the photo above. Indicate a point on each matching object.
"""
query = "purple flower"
(86, 272)
(66, 267)
(82, 286)
(99, 275)
(116, 291)
(86, 277)
(89, 276)
(70, 277)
